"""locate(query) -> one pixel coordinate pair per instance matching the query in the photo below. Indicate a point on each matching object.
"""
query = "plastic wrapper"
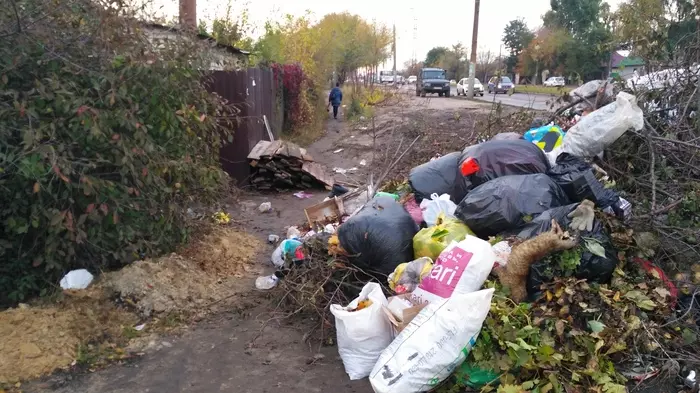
(593, 268)
(575, 176)
(509, 202)
(407, 276)
(546, 138)
(599, 129)
(435, 206)
(430, 242)
(496, 159)
(380, 236)
(434, 177)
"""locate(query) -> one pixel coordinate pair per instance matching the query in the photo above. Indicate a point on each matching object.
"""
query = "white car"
(412, 79)
(463, 86)
(555, 81)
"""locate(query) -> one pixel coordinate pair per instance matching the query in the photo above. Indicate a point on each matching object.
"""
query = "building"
(624, 65)
(223, 57)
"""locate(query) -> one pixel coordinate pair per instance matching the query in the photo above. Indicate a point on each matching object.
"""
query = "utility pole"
(188, 14)
(472, 61)
(394, 48)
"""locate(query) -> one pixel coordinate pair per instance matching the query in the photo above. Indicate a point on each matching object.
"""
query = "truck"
(432, 80)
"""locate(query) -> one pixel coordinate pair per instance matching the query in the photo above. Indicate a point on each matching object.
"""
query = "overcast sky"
(438, 23)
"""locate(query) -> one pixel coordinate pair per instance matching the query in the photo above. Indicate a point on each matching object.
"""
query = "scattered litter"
(77, 279)
(265, 207)
(407, 276)
(414, 210)
(303, 195)
(309, 234)
(381, 194)
(338, 190)
(436, 341)
(690, 380)
(329, 228)
(140, 327)
(293, 233)
(266, 282)
(435, 206)
(430, 242)
(362, 334)
(288, 249)
(272, 239)
(502, 250)
(221, 218)
(363, 162)
(338, 151)
(343, 171)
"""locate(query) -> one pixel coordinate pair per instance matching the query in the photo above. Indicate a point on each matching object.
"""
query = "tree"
(516, 37)
(454, 61)
(576, 16)
(411, 68)
(434, 55)
(486, 64)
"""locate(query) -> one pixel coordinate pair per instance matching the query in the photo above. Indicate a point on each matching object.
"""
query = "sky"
(442, 24)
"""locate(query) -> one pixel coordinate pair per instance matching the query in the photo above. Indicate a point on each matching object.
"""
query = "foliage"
(229, 30)
(655, 29)
(573, 336)
(298, 111)
(516, 37)
(102, 143)
(434, 55)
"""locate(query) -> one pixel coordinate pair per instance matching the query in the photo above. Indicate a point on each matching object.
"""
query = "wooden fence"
(254, 94)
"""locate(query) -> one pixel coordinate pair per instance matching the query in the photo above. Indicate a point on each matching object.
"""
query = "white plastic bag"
(76, 279)
(433, 344)
(362, 335)
(461, 268)
(434, 206)
(599, 129)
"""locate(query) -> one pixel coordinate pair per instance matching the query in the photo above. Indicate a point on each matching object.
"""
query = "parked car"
(412, 79)
(431, 81)
(500, 86)
(463, 87)
(555, 81)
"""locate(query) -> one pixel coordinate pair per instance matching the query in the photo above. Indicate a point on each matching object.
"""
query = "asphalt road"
(524, 100)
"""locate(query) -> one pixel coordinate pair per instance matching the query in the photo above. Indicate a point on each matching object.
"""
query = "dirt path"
(215, 355)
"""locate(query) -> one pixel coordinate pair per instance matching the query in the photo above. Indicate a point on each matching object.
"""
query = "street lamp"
(537, 62)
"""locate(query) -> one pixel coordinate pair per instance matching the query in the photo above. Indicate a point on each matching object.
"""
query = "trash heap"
(502, 272)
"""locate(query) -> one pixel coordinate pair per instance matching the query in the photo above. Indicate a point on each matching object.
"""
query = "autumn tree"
(487, 63)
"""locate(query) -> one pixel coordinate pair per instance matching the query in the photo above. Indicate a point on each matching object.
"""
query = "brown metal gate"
(254, 94)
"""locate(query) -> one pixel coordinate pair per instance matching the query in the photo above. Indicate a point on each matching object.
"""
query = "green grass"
(539, 89)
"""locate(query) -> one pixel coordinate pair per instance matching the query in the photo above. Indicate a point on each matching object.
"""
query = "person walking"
(335, 98)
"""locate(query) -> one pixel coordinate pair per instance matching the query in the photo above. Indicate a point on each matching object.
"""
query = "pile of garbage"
(501, 268)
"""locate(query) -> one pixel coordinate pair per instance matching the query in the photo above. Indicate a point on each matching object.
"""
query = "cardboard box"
(408, 314)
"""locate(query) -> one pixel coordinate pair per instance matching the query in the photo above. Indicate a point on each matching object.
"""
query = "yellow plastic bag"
(430, 242)
(407, 276)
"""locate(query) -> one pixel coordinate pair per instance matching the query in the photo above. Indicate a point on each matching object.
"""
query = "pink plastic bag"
(414, 210)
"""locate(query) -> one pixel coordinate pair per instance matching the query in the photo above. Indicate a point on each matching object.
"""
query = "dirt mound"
(38, 340)
(225, 252)
(188, 282)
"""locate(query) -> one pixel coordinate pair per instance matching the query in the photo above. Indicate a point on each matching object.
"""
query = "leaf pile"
(576, 337)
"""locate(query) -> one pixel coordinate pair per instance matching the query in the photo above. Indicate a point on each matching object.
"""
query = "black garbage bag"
(575, 176)
(509, 202)
(435, 177)
(593, 268)
(497, 158)
(380, 236)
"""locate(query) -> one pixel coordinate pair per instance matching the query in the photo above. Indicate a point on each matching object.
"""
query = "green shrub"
(105, 137)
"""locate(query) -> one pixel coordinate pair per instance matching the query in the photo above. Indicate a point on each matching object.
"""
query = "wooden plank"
(322, 212)
(258, 149)
(271, 149)
(318, 172)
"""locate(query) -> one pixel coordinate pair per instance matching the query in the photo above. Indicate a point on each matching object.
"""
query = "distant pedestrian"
(335, 98)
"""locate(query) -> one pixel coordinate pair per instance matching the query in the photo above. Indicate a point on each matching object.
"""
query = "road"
(538, 102)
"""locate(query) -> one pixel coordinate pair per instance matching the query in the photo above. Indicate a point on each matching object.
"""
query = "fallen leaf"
(617, 296)
(596, 326)
(595, 248)
(36, 187)
(549, 296)
(560, 325)
(663, 292)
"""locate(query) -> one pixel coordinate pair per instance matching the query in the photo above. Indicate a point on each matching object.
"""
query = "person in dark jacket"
(335, 98)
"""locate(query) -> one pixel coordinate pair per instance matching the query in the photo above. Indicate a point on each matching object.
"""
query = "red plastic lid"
(469, 167)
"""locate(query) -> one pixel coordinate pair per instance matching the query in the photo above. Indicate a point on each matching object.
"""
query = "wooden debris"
(284, 165)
